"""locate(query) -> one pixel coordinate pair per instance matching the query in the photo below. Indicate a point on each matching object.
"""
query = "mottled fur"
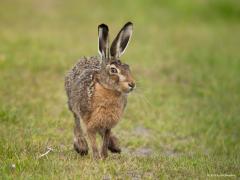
(97, 91)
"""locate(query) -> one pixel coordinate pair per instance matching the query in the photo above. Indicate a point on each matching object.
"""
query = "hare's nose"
(131, 85)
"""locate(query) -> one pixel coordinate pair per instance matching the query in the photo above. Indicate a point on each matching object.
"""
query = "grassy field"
(183, 120)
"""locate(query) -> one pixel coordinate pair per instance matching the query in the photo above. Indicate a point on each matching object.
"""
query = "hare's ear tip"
(103, 26)
(129, 23)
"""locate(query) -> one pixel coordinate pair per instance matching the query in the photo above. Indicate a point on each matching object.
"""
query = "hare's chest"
(108, 107)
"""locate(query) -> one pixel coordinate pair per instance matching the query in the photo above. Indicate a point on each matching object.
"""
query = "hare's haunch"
(97, 90)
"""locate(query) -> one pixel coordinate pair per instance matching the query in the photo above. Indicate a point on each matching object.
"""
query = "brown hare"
(97, 90)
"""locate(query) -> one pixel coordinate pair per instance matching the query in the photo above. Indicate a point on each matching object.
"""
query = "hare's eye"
(113, 70)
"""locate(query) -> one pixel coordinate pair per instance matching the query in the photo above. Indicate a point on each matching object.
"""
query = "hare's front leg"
(113, 144)
(92, 137)
(80, 143)
(106, 136)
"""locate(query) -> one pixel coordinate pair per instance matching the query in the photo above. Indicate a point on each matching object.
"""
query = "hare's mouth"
(130, 89)
(131, 86)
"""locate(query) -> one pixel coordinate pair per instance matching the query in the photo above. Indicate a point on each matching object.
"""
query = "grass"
(181, 122)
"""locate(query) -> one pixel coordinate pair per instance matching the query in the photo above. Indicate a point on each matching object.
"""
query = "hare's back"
(85, 63)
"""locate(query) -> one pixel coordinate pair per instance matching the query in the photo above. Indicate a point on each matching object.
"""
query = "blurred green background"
(182, 121)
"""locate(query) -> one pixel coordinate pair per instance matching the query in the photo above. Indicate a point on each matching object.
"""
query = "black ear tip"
(128, 24)
(103, 26)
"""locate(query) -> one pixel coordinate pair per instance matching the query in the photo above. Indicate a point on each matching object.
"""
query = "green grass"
(185, 113)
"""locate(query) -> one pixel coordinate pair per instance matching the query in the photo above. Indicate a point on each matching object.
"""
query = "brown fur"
(108, 106)
(97, 93)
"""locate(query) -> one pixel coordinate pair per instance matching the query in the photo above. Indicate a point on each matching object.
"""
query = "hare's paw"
(81, 146)
(95, 154)
(113, 145)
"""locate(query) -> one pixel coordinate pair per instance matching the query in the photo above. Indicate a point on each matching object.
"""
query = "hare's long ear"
(103, 41)
(121, 41)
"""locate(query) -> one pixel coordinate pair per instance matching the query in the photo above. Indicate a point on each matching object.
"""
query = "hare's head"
(115, 74)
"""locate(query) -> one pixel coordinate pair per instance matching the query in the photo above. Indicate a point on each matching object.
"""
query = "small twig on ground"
(49, 149)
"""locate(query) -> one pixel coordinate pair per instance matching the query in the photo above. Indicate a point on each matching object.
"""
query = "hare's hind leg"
(113, 144)
(80, 143)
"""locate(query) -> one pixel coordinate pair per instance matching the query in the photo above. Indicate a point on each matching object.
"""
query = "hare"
(97, 90)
